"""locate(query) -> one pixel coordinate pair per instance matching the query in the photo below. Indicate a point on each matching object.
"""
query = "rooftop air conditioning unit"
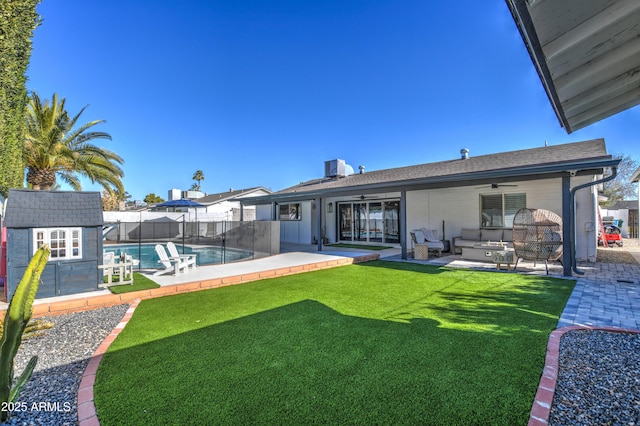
(335, 168)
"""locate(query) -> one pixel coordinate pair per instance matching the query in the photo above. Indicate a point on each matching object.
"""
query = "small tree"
(153, 199)
(198, 176)
(110, 201)
(621, 188)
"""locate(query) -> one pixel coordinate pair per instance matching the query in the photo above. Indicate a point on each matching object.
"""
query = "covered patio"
(449, 196)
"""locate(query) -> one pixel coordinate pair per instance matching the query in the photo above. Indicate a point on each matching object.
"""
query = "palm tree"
(54, 148)
(198, 176)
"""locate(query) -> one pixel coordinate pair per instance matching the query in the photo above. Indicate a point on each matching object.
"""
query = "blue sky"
(261, 93)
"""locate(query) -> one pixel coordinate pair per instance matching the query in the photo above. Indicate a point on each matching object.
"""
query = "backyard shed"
(70, 223)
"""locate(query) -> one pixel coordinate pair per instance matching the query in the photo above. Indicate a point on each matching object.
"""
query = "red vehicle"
(612, 234)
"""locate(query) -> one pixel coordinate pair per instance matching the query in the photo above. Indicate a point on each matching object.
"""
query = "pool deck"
(203, 277)
(302, 258)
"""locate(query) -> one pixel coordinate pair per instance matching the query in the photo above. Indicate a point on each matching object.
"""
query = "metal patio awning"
(587, 54)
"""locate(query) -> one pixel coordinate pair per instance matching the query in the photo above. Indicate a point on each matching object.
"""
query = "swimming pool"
(207, 255)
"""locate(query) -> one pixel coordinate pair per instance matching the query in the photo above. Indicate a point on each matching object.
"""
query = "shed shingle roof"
(32, 209)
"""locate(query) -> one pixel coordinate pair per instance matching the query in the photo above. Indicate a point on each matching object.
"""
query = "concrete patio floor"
(602, 285)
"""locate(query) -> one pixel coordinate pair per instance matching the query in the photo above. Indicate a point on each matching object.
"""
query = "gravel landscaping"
(621, 255)
(50, 396)
(598, 379)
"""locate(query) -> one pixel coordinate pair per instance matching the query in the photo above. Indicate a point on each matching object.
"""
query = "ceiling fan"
(364, 197)
(496, 185)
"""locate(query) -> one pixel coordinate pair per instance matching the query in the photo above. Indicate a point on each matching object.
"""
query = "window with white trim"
(498, 210)
(65, 243)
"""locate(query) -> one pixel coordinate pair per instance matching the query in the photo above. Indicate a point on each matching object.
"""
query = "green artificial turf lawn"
(140, 282)
(374, 343)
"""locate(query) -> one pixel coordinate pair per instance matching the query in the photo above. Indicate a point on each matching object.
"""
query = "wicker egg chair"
(537, 236)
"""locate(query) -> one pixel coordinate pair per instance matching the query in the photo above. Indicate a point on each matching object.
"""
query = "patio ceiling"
(587, 54)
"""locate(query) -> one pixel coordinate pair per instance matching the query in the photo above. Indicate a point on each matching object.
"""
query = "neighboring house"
(226, 205)
(468, 192)
(221, 207)
(70, 223)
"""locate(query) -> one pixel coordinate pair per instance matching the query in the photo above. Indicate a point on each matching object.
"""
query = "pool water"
(206, 255)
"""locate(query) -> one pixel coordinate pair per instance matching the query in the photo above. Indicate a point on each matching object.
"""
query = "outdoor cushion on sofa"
(470, 234)
(491, 235)
(467, 238)
(471, 237)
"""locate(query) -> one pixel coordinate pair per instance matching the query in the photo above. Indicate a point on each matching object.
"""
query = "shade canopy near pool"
(183, 202)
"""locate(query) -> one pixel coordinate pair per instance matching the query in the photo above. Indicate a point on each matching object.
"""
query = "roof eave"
(595, 166)
(525, 26)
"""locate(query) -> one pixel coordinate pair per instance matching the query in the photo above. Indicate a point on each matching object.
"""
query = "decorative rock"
(598, 379)
(50, 396)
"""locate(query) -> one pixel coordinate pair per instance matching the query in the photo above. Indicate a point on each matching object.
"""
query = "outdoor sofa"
(471, 237)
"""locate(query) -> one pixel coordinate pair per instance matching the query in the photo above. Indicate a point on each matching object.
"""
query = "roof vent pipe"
(464, 153)
(361, 169)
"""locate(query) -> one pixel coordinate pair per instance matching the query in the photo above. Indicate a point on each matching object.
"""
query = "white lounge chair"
(170, 264)
(191, 259)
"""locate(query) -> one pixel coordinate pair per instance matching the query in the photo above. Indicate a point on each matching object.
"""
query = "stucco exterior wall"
(298, 231)
(263, 212)
(460, 208)
(449, 210)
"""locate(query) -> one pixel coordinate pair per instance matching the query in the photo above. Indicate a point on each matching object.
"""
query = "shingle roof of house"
(28, 209)
(627, 204)
(504, 161)
(231, 194)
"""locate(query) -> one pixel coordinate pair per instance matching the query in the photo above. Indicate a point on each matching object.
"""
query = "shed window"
(65, 243)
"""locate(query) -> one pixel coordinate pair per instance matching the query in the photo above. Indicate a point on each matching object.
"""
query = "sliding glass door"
(392, 222)
(345, 223)
(360, 223)
(373, 221)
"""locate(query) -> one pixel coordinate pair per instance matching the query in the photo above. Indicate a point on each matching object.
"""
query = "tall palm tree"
(198, 176)
(54, 148)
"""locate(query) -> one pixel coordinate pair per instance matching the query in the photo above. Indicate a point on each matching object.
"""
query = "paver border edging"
(543, 400)
(87, 415)
(41, 309)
